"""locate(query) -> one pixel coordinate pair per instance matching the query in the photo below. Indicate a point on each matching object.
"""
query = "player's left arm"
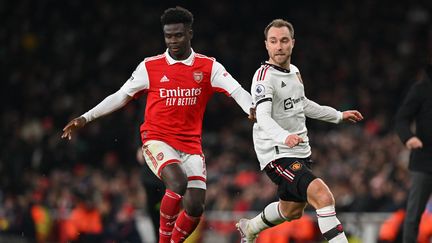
(326, 113)
(329, 114)
(222, 81)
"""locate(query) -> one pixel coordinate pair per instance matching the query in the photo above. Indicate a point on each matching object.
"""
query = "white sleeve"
(221, 80)
(321, 112)
(108, 105)
(243, 98)
(266, 122)
(139, 81)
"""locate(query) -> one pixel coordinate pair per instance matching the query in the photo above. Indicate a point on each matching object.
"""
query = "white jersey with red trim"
(177, 95)
(282, 107)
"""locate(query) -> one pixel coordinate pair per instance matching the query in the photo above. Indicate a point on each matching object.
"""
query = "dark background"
(60, 58)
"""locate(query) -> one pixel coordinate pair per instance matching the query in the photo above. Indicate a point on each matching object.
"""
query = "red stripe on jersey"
(259, 74)
(265, 71)
(168, 162)
(196, 178)
(262, 72)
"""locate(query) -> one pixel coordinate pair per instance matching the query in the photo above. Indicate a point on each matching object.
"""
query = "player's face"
(178, 40)
(279, 45)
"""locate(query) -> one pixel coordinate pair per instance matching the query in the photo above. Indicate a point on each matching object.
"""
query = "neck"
(183, 56)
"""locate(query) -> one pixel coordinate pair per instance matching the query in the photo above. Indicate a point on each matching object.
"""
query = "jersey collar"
(188, 61)
(276, 67)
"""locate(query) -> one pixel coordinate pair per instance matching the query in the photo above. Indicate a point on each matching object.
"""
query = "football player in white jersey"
(281, 142)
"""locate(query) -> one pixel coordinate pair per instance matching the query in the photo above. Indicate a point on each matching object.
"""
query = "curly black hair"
(177, 15)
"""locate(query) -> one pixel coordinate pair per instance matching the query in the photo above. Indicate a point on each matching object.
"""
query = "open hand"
(72, 126)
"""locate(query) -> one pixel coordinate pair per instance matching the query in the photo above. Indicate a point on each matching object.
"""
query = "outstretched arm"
(329, 114)
(243, 98)
(352, 116)
(109, 104)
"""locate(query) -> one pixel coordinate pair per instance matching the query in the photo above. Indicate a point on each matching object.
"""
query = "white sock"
(269, 217)
(327, 221)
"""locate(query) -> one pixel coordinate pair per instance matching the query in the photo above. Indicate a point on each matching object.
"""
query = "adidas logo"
(283, 84)
(164, 79)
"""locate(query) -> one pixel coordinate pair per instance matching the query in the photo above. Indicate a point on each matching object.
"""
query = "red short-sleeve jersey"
(177, 95)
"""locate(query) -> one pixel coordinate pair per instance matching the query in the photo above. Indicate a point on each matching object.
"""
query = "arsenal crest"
(198, 76)
(160, 156)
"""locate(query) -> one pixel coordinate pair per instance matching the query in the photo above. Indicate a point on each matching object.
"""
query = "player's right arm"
(136, 83)
(108, 105)
(262, 95)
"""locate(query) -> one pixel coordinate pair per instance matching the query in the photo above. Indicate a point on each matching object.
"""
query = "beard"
(281, 60)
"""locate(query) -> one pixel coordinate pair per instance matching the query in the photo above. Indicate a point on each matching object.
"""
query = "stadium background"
(60, 58)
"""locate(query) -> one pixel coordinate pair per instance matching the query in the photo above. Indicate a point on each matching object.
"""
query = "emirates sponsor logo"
(179, 96)
(179, 92)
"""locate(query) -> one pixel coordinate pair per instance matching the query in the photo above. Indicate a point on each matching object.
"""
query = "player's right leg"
(291, 204)
(164, 161)
(194, 199)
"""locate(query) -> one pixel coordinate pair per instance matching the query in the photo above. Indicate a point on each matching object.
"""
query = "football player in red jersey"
(178, 84)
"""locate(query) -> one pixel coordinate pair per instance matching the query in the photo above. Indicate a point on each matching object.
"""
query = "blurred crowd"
(60, 58)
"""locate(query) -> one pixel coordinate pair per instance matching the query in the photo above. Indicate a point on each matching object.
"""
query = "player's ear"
(190, 33)
(265, 43)
(293, 41)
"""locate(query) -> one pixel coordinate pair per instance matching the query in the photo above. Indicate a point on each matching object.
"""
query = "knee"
(194, 208)
(319, 195)
(292, 214)
(324, 199)
(175, 178)
(177, 185)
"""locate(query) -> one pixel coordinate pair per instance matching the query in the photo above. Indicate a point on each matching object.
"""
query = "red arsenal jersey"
(177, 95)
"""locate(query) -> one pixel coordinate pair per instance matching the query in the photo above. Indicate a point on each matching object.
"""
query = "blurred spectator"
(85, 221)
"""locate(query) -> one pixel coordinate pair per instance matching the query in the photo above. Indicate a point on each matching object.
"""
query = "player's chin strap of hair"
(332, 233)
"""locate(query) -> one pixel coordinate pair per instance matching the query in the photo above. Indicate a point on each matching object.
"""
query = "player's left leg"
(273, 214)
(193, 200)
(321, 198)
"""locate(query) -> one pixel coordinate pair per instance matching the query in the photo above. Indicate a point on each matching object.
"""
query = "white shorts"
(158, 154)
